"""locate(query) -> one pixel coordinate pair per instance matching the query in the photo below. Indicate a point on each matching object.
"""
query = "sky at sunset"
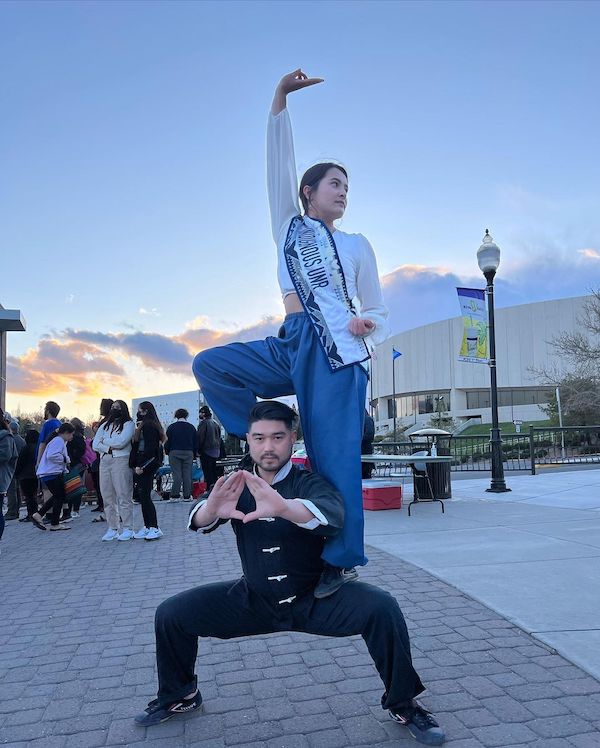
(133, 211)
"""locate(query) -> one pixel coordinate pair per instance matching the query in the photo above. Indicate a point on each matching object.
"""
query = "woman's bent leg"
(232, 376)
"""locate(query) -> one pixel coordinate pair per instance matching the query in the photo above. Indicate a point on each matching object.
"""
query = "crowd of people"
(46, 469)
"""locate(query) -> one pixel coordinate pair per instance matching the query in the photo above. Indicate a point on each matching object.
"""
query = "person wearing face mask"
(335, 313)
(145, 459)
(113, 443)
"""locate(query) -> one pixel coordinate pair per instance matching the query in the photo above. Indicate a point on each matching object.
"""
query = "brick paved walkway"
(76, 657)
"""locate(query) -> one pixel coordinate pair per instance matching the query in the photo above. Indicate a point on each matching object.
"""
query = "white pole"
(560, 423)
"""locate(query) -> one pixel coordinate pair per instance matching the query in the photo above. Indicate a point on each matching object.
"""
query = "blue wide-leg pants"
(331, 404)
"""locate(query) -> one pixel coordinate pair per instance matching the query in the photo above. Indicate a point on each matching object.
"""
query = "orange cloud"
(57, 366)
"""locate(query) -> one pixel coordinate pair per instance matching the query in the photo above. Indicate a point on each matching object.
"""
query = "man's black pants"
(209, 468)
(225, 610)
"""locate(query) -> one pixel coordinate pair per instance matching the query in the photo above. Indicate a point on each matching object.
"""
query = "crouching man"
(280, 516)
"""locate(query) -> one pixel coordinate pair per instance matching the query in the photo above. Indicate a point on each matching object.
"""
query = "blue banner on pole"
(395, 354)
(474, 342)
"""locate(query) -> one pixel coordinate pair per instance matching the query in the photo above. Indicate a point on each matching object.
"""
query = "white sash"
(316, 272)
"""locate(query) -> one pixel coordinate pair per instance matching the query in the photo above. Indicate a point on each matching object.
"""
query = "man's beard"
(275, 463)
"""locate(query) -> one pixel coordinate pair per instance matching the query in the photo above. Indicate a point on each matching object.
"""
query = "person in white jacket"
(113, 443)
(50, 470)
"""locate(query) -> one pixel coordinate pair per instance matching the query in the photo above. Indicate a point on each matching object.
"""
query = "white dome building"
(429, 377)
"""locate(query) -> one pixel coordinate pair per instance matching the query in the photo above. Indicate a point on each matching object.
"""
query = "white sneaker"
(125, 534)
(174, 500)
(110, 535)
(141, 533)
(154, 533)
(74, 515)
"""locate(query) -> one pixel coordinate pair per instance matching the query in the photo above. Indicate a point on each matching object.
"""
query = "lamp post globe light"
(488, 258)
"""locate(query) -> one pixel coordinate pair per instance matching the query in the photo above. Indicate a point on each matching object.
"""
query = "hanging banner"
(474, 344)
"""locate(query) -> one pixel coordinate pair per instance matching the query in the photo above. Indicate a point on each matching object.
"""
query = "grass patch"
(508, 427)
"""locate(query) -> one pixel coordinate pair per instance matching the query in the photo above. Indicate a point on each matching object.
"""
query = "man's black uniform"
(282, 564)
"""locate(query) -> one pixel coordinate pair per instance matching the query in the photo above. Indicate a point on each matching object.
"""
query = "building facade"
(430, 379)
(166, 405)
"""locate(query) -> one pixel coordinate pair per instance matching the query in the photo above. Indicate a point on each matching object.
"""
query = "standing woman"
(145, 459)
(333, 303)
(113, 442)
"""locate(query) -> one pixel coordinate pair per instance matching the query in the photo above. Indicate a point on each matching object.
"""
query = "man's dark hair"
(65, 428)
(181, 413)
(52, 408)
(206, 410)
(273, 410)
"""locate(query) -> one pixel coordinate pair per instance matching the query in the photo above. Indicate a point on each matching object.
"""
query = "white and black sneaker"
(420, 723)
(155, 714)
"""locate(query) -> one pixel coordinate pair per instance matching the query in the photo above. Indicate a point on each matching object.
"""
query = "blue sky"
(132, 197)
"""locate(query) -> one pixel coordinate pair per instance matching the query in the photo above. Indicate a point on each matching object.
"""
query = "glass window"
(504, 398)
(478, 399)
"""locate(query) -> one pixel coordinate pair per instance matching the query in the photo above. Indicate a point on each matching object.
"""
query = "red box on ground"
(378, 495)
(301, 462)
(198, 488)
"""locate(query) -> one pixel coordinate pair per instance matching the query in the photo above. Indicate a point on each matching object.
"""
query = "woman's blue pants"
(331, 406)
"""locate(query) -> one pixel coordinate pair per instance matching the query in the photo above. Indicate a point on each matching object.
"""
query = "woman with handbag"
(51, 470)
(113, 442)
(147, 440)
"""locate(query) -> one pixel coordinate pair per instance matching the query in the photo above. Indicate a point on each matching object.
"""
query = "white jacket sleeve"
(282, 180)
(370, 295)
(98, 444)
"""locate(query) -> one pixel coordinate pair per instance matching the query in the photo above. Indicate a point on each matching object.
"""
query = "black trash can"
(438, 472)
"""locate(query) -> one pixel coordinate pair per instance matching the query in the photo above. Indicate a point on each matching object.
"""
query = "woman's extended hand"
(291, 82)
(361, 327)
(296, 80)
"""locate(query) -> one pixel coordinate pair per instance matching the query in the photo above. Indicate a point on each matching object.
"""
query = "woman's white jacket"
(119, 441)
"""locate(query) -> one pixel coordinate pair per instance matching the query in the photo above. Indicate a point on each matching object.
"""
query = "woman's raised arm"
(290, 82)
(282, 180)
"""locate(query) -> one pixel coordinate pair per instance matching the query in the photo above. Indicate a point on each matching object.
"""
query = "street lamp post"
(488, 258)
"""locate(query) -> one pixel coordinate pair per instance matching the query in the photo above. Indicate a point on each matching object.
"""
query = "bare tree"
(577, 369)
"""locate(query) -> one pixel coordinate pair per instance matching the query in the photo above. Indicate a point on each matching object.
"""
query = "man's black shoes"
(419, 722)
(332, 579)
(155, 714)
